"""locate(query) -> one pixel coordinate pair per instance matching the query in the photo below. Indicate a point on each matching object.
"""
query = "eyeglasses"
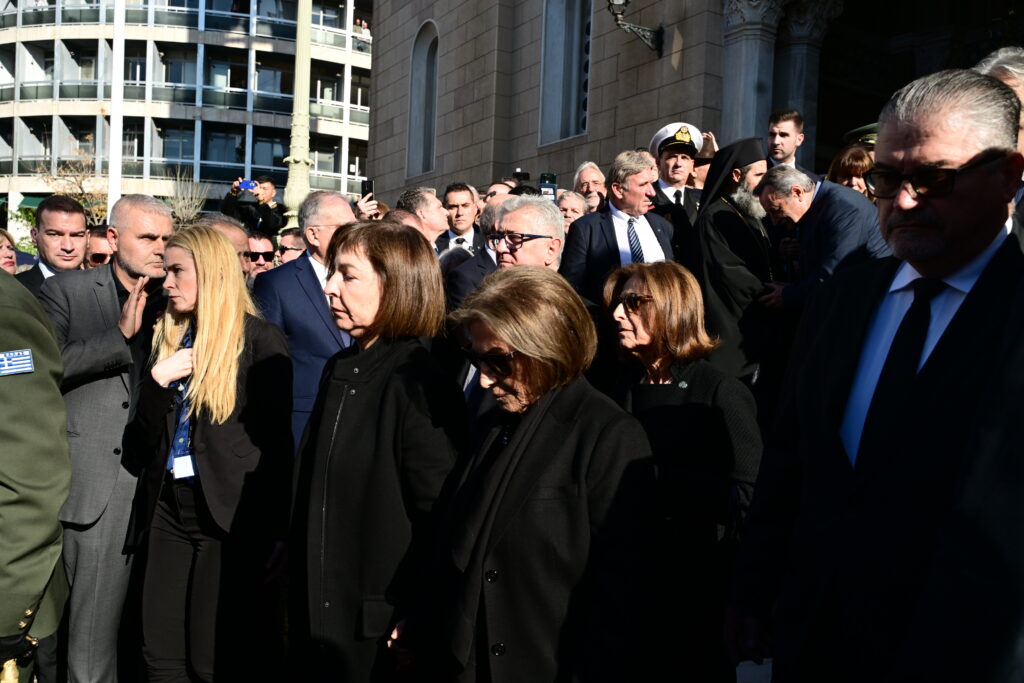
(514, 240)
(256, 255)
(631, 301)
(282, 250)
(99, 259)
(925, 181)
(499, 363)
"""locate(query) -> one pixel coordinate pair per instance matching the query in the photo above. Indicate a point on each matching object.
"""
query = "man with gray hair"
(884, 532)
(618, 234)
(1007, 64)
(837, 227)
(529, 232)
(292, 297)
(589, 182)
(104, 319)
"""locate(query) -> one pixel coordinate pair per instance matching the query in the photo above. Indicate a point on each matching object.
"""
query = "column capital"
(744, 15)
(806, 21)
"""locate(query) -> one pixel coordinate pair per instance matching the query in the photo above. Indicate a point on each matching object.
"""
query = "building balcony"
(36, 90)
(33, 165)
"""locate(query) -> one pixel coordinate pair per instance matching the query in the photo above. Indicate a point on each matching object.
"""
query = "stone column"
(797, 62)
(747, 66)
(298, 161)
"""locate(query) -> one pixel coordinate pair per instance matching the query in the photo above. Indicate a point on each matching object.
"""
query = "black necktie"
(896, 381)
(679, 197)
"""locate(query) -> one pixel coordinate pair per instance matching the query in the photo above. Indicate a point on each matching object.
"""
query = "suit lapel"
(690, 204)
(311, 286)
(663, 236)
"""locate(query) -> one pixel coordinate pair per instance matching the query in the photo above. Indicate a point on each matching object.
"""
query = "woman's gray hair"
(142, 202)
(782, 178)
(626, 164)
(982, 104)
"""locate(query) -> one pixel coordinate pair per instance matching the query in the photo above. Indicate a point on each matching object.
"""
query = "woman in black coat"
(702, 425)
(383, 436)
(212, 502)
(539, 573)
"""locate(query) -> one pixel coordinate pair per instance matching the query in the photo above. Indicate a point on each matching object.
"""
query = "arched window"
(565, 69)
(422, 102)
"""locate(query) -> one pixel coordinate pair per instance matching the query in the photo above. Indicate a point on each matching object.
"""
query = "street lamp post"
(298, 160)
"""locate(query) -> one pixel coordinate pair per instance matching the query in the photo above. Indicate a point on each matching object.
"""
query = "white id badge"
(183, 467)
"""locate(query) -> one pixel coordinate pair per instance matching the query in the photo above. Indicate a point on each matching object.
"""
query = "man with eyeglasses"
(60, 236)
(885, 532)
(529, 231)
(261, 256)
(99, 250)
(292, 297)
(837, 228)
(291, 245)
(621, 233)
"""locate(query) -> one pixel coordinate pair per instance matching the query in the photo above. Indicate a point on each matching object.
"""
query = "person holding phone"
(253, 203)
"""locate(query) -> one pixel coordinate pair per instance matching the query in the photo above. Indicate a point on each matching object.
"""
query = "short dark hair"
(265, 179)
(412, 302)
(780, 115)
(290, 232)
(455, 187)
(58, 203)
(524, 191)
(98, 231)
(415, 199)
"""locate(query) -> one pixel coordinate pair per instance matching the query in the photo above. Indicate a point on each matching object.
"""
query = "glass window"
(268, 151)
(178, 143)
(224, 146)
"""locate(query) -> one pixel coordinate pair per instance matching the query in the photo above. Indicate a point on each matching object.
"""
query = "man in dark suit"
(433, 217)
(465, 278)
(35, 474)
(785, 135)
(60, 236)
(675, 147)
(104, 319)
(837, 227)
(620, 233)
(292, 297)
(460, 202)
(860, 491)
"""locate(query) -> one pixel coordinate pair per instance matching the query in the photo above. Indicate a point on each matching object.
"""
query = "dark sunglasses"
(514, 240)
(99, 259)
(499, 363)
(255, 255)
(925, 181)
(631, 301)
(282, 250)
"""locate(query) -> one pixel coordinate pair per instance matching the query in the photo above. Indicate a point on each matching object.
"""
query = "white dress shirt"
(648, 241)
(670, 192)
(886, 322)
(467, 242)
(45, 270)
(320, 270)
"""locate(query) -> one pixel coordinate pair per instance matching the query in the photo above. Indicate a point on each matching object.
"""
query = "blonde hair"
(219, 323)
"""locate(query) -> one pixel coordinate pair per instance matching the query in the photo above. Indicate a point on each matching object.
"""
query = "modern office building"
(207, 92)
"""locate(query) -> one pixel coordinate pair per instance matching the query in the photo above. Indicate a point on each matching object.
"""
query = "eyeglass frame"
(907, 178)
(282, 249)
(500, 363)
(522, 237)
(636, 297)
(255, 255)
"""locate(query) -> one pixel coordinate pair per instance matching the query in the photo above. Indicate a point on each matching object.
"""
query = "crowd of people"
(702, 407)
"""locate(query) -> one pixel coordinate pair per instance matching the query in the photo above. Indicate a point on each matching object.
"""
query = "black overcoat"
(383, 436)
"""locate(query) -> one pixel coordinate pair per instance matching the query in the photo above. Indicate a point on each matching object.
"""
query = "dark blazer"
(560, 570)
(290, 296)
(244, 465)
(839, 229)
(707, 448)
(682, 218)
(32, 279)
(384, 434)
(464, 279)
(442, 242)
(845, 550)
(591, 252)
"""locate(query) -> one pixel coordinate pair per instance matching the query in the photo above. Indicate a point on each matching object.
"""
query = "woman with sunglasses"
(541, 553)
(8, 255)
(211, 506)
(703, 431)
(383, 435)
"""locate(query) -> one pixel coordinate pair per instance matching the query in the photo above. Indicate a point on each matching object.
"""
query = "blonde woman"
(211, 432)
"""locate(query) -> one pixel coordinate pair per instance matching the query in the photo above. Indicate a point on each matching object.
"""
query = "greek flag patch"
(16, 362)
